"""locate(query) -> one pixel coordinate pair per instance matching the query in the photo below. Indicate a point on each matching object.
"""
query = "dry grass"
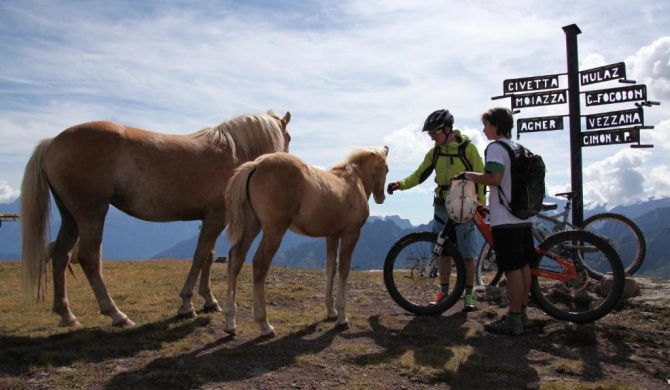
(385, 348)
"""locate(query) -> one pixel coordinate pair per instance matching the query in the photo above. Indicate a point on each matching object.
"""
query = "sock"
(513, 318)
(468, 290)
(445, 288)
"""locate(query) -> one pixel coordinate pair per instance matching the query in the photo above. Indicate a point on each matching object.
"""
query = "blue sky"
(352, 73)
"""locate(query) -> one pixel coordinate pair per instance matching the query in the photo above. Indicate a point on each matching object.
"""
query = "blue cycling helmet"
(437, 120)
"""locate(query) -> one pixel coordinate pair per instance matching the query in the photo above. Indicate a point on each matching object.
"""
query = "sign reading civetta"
(610, 137)
(530, 125)
(616, 95)
(615, 119)
(604, 73)
(527, 84)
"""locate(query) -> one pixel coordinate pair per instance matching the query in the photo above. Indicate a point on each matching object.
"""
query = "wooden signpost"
(605, 128)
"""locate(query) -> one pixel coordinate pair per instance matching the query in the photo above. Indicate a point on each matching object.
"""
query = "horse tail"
(236, 200)
(35, 215)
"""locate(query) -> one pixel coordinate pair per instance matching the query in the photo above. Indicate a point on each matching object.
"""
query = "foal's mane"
(247, 135)
(356, 157)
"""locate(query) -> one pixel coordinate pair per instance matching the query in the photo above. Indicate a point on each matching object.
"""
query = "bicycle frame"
(568, 270)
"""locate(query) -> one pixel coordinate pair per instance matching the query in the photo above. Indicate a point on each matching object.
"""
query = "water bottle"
(539, 226)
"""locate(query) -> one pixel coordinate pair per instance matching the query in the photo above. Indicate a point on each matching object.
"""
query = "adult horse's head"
(250, 136)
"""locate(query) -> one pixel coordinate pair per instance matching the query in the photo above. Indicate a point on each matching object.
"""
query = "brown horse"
(152, 176)
(278, 192)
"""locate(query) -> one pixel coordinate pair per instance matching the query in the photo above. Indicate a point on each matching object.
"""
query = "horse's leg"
(331, 260)
(59, 252)
(347, 245)
(266, 250)
(90, 260)
(212, 226)
(236, 257)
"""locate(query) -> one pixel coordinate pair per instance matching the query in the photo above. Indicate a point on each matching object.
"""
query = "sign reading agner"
(615, 119)
(527, 84)
(530, 125)
(616, 95)
(539, 99)
(604, 73)
(610, 137)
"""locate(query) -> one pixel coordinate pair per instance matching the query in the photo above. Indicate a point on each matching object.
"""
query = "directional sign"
(610, 137)
(531, 125)
(616, 95)
(539, 99)
(604, 73)
(527, 84)
(615, 119)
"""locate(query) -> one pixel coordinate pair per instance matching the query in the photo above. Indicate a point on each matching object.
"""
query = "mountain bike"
(561, 284)
(622, 233)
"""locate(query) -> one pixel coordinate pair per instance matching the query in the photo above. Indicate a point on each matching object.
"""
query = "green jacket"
(446, 167)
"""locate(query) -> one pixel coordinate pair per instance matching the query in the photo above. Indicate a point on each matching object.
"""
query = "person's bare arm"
(491, 179)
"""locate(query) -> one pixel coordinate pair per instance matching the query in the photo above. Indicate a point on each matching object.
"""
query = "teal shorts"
(466, 234)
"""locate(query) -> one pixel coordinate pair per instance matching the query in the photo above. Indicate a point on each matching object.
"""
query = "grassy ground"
(385, 347)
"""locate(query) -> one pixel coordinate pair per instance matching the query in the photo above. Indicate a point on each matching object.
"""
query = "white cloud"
(7, 194)
(351, 73)
(651, 66)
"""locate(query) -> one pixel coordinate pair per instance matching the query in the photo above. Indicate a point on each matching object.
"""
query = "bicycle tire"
(579, 300)
(406, 258)
(486, 271)
(624, 235)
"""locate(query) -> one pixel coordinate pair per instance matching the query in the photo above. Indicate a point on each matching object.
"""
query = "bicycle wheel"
(624, 236)
(580, 299)
(486, 271)
(404, 263)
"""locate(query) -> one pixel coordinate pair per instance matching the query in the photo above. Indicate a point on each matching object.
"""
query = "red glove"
(392, 187)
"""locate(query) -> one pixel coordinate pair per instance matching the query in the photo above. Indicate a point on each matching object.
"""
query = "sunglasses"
(434, 134)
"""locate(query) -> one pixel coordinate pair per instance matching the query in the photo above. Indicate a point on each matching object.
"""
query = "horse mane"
(352, 162)
(241, 134)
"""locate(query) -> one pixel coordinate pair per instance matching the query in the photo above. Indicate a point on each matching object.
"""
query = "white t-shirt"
(499, 214)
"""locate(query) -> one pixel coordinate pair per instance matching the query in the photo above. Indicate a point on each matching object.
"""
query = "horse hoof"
(343, 326)
(213, 308)
(124, 323)
(231, 332)
(69, 323)
(331, 318)
(187, 314)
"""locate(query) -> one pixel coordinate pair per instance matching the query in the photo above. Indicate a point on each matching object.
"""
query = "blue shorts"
(466, 234)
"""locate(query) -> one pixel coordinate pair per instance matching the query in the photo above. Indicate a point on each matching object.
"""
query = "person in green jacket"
(453, 153)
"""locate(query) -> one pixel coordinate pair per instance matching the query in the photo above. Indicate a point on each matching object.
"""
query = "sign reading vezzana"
(539, 99)
(527, 84)
(615, 119)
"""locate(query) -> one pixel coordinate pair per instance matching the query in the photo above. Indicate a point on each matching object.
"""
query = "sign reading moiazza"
(539, 99)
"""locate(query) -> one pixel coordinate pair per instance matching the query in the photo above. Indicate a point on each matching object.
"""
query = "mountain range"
(128, 238)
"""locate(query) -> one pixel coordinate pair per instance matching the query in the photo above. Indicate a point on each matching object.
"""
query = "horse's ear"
(386, 151)
(286, 118)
